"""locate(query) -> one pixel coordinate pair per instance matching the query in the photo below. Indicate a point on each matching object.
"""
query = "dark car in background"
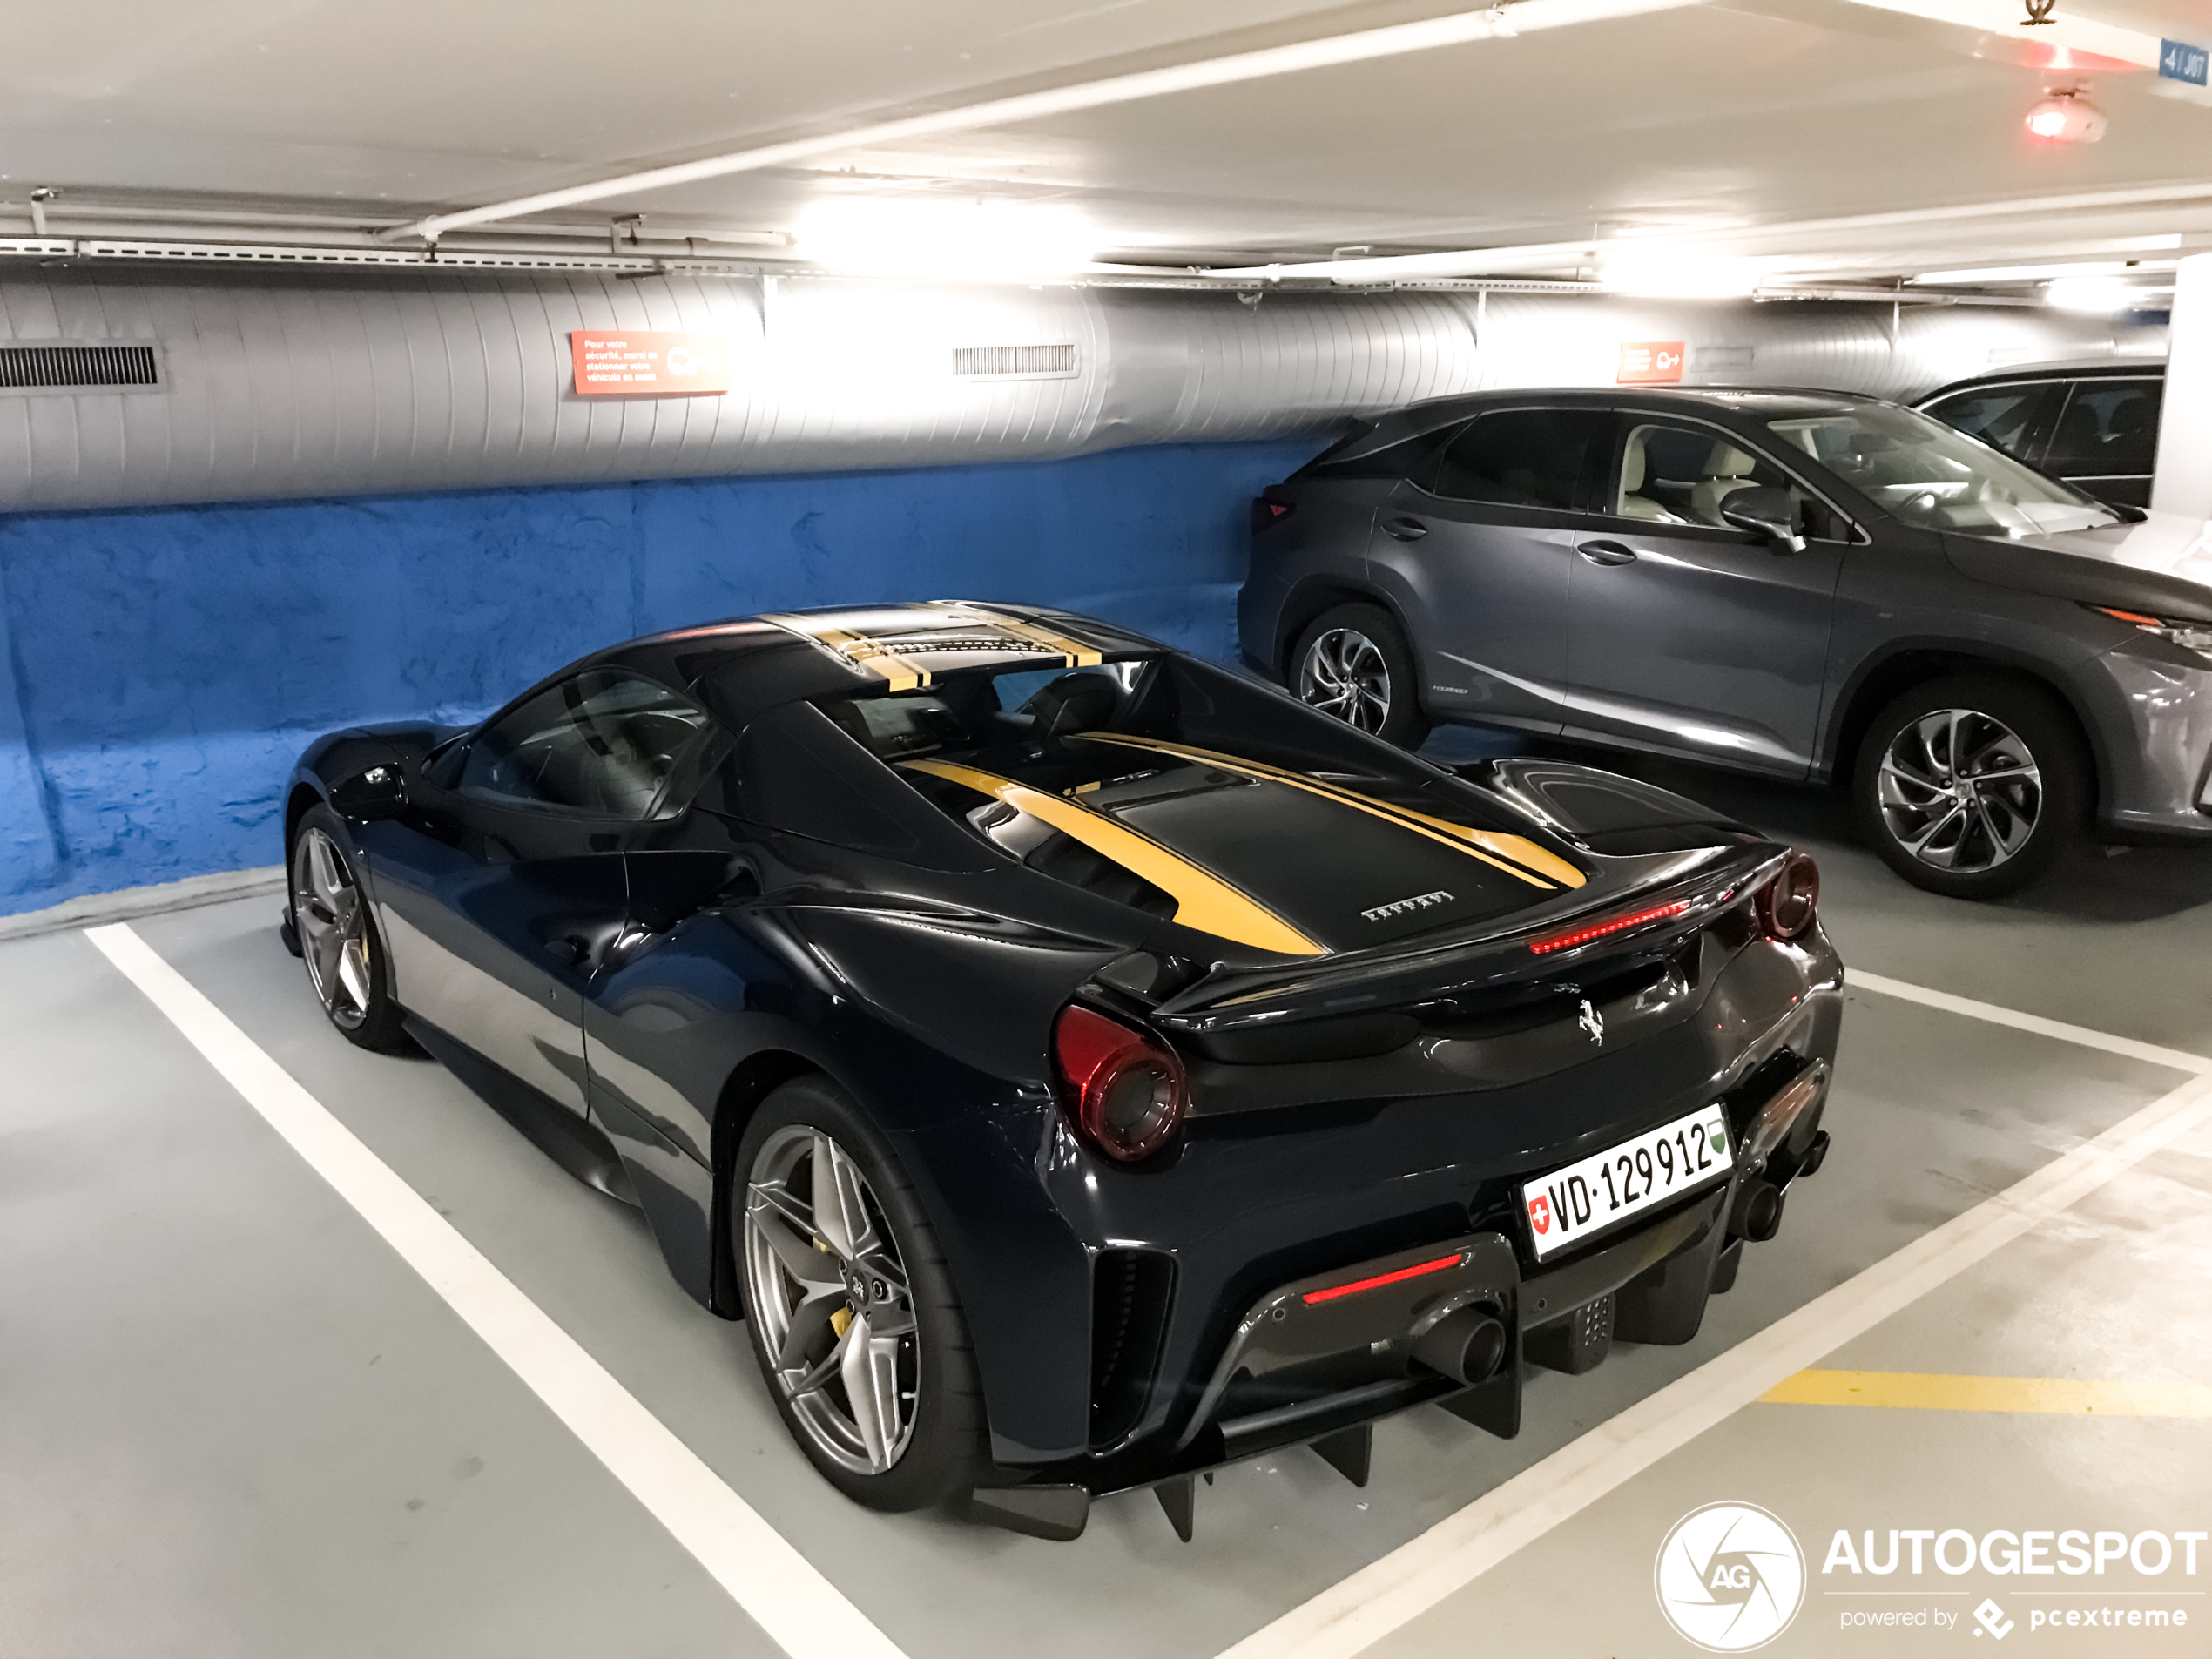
(1805, 584)
(1079, 1065)
(2095, 425)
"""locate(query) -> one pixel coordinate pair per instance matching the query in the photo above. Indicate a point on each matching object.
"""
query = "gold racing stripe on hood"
(1516, 855)
(856, 649)
(1202, 900)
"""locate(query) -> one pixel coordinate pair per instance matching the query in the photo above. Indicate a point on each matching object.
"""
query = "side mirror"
(378, 792)
(1768, 511)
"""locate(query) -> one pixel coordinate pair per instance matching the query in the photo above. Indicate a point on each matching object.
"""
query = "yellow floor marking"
(1919, 1391)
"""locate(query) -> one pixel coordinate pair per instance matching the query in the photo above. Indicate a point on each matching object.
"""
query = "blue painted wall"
(164, 667)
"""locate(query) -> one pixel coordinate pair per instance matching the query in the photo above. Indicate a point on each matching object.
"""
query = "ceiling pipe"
(1493, 23)
(1785, 238)
(2054, 36)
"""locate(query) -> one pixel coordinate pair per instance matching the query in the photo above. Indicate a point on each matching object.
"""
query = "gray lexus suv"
(1806, 585)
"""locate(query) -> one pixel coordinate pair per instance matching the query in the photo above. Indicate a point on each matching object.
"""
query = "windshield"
(1930, 475)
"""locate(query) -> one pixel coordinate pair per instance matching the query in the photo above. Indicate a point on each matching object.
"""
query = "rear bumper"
(1318, 1360)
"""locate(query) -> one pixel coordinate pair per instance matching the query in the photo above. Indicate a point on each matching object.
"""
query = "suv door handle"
(1404, 530)
(1607, 553)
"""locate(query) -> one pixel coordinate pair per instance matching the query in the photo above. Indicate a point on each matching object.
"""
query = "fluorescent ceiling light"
(1363, 46)
(2102, 294)
(971, 239)
(2044, 273)
(1668, 274)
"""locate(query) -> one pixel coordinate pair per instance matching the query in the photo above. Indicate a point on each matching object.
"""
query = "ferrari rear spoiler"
(1645, 911)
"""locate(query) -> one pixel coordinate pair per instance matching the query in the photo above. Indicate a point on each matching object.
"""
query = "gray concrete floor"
(234, 1422)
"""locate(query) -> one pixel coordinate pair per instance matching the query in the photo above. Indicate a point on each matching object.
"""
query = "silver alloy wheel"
(1959, 791)
(333, 922)
(829, 1295)
(1344, 674)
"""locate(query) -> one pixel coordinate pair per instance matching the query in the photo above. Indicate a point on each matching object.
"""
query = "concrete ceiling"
(1754, 112)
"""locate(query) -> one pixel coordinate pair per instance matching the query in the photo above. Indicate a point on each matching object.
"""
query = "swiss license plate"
(1567, 1205)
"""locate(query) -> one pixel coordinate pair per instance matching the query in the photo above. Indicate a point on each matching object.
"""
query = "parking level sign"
(2179, 61)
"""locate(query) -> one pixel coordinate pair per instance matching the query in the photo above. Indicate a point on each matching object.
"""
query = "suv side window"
(1524, 458)
(1684, 475)
(602, 743)
(2109, 429)
(2005, 417)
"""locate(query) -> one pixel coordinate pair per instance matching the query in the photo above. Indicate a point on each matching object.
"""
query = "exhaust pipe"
(1467, 1346)
(1758, 1214)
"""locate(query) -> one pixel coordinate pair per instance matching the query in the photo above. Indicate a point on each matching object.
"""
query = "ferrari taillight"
(1122, 1089)
(1787, 903)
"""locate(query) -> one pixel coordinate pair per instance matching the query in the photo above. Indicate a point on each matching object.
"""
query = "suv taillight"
(1123, 1089)
(1267, 511)
(1787, 903)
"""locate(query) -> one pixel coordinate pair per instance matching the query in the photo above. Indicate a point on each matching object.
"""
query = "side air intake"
(1130, 1291)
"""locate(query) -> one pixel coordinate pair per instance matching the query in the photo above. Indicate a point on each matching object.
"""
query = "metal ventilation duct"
(310, 383)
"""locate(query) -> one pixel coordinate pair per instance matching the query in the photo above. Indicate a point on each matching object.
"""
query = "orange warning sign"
(1650, 362)
(648, 363)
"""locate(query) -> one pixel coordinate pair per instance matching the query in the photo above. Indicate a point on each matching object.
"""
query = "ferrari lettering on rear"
(1401, 906)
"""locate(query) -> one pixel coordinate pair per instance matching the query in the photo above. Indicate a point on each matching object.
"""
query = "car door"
(2106, 439)
(498, 919)
(1684, 633)
(1476, 550)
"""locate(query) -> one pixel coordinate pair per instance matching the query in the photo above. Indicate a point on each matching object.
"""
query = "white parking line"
(2179, 1059)
(779, 1588)
(1388, 1594)
(808, 1617)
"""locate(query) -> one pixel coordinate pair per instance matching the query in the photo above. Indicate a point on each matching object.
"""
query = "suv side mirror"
(380, 792)
(1768, 510)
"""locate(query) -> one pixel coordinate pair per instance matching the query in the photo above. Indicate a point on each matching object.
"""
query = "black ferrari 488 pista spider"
(1080, 1065)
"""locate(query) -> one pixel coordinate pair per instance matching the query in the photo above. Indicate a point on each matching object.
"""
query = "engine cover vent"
(66, 368)
(1014, 363)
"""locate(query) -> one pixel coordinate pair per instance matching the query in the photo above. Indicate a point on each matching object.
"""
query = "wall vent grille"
(1014, 363)
(67, 368)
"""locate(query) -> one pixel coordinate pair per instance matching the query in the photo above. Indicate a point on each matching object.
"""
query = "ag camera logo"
(1730, 1577)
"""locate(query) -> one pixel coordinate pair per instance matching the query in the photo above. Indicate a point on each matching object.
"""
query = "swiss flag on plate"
(1539, 1214)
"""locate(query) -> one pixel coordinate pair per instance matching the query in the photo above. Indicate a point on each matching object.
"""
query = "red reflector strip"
(1381, 1279)
(1551, 942)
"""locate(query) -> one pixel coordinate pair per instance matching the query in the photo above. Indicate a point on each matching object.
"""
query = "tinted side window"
(1523, 458)
(601, 742)
(2109, 428)
(2005, 417)
(1399, 460)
